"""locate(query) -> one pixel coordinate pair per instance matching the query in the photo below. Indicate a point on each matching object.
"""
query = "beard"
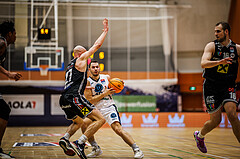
(222, 39)
(95, 74)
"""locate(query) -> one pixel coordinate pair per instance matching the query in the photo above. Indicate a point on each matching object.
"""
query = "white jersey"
(99, 87)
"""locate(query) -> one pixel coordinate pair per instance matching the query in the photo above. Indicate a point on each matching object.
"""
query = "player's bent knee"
(84, 126)
(232, 116)
(102, 121)
(96, 115)
(77, 124)
(78, 121)
(118, 130)
(214, 123)
(5, 110)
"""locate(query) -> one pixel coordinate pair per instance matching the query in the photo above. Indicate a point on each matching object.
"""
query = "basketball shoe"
(200, 142)
(138, 153)
(66, 146)
(79, 149)
(96, 151)
(4, 155)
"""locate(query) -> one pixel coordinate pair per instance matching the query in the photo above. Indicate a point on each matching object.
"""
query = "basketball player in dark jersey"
(8, 36)
(73, 102)
(3, 46)
(220, 63)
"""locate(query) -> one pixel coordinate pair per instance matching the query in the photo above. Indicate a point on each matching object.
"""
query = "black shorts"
(4, 109)
(216, 95)
(74, 106)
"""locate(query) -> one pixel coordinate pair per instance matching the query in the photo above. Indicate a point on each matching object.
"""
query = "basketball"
(117, 84)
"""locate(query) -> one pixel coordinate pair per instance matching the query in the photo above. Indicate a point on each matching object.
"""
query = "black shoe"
(80, 149)
(4, 155)
(66, 146)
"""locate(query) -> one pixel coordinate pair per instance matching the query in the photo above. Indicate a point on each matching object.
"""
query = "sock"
(94, 143)
(82, 139)
(134, 146)
(67, 136)
(200, 135)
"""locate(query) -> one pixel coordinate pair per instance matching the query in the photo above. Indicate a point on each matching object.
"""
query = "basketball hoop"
(44, 59)
(44, 70)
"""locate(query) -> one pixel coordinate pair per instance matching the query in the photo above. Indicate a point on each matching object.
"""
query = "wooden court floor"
(154, 142)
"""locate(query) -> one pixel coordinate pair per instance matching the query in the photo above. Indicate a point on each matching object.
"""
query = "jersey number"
(68, 77)
(232, 95)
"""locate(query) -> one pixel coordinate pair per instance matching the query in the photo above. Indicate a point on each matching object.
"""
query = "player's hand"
(105, 24)
(109, 91)
(227, 60)
(14, 75)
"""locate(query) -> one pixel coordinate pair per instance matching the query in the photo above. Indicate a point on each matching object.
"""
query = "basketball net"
(43, 70)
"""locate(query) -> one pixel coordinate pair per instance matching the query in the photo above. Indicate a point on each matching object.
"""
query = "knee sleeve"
(5, 110)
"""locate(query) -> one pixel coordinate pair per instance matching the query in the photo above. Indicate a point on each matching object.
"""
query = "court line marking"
(165, 153)
(190, 153)
(17, 140)
(205, 141)
(217, 156)
(201, 155)
(159, 151)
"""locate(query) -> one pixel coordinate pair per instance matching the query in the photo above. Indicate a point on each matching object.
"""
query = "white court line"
(14, 144)
(117, 150)
(205, 155)
(216, 156)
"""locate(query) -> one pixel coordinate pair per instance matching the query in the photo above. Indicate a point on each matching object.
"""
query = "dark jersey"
(3, 57)
(75, 81)
(225, 72)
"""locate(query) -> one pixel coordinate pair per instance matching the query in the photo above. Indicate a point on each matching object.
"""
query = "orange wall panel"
(185, 80)
(235, 25)
(138, 120)
(192, 102)
(60, 75)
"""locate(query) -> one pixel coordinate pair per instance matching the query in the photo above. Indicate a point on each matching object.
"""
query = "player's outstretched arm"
(98, 43)
(12, 75)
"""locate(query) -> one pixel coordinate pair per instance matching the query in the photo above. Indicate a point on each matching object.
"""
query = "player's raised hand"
(105, 24)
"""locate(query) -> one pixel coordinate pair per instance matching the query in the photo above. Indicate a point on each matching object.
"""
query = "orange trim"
(164, 119)
(60, 75)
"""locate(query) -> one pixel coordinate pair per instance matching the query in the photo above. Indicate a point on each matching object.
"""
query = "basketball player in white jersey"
(101, 97)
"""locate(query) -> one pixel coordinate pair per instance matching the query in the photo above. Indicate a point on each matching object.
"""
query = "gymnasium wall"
(195, 27)
(195, 30)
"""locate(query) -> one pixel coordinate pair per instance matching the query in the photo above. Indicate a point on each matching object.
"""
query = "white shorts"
(110, 114)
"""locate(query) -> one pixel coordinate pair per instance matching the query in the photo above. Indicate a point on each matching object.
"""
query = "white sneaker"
(96, 151)
(138, 153)
(4, 155)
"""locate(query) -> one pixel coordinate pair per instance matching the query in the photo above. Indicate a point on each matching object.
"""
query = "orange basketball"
(117, 84)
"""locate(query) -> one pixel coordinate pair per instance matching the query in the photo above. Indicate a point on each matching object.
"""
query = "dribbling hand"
(14, 75)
